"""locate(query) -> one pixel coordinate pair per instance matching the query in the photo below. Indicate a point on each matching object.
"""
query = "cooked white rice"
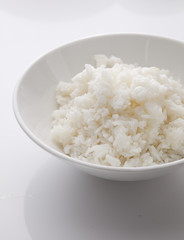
(120, 115)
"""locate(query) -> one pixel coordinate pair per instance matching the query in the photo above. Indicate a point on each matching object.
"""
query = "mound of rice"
(120, 115)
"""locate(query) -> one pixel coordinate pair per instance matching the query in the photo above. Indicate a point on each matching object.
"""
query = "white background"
(42, 198)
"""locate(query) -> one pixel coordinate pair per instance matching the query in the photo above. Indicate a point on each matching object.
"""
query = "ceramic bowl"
(34, 95)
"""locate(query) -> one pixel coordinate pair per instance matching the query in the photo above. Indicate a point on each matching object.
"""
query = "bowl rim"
(59, 154)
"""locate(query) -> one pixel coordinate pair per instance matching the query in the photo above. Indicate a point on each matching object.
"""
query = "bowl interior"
(35, 94)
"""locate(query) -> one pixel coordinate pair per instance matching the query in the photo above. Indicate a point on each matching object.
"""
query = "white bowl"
(34, 99)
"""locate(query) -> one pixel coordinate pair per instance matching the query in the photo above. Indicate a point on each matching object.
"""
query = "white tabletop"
(42, 198)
